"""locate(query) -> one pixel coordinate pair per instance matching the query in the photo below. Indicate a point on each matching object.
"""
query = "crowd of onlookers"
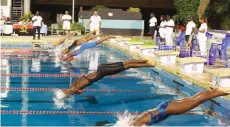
(165, 30)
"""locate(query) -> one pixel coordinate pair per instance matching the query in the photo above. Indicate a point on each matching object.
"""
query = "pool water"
(135, 80)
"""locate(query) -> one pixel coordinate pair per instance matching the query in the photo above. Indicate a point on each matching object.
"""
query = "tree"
(185, 9)
(98, 7)
(218, 14)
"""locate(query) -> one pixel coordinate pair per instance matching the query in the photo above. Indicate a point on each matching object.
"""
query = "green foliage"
(132, 9)
(98, 7)
(27, 17)
(185, 9)
(218, 14)
(74, 26)
(77, 26)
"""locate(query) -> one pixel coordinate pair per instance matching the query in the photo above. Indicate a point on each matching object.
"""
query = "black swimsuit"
(73, 45)
(107, 69)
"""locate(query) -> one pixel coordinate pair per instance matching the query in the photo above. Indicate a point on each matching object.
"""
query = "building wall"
(5, 8)
(119, 3)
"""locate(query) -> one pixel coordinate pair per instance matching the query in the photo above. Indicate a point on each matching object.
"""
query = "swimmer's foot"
(223, 91)
(79, 92)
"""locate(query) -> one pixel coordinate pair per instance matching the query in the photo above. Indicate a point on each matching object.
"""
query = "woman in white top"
(201, 37)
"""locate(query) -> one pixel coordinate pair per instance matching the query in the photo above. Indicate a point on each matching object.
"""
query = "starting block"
(220, 77)
(147, 50)
(166, 57)
(37, 45)
(133, 46)
(192, 64)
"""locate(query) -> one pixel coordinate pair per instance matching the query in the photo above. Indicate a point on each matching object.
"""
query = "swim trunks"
(162, 114)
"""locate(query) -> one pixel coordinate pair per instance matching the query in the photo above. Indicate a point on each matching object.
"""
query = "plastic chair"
(180, 40)
(162, 47)
(222, 49)
(54, 29)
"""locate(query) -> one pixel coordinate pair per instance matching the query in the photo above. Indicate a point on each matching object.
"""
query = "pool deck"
(202, 80)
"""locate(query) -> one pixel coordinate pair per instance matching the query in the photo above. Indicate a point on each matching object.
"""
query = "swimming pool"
(133, 91)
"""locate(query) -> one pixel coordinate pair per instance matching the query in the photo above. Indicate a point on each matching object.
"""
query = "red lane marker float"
(57, 75)
(43, 112)
(23, 52)
(24, 49)
(15, 65)
(21, 58)
(54, 89)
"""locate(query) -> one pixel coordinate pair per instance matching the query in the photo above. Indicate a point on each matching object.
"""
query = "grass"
(146, 42)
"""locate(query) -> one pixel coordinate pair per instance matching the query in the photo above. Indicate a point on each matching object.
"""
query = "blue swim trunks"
(85, 46)
(76, 70)
(162, 114)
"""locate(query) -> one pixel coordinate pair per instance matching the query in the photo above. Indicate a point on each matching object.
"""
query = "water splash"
(58, 98)
(124, 119)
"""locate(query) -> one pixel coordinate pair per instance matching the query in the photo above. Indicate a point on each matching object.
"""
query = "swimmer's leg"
(181, 106)
(115, 68)
(136, 64)
(104, 39)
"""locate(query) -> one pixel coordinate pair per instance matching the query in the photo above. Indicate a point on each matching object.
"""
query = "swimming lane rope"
(19, 65)
(26, 58)
(54, 89)
(23, 52)
(43, 112)
(55, 75)
(37, 112)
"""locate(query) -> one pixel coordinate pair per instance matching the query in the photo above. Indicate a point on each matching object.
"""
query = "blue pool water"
(133, 79)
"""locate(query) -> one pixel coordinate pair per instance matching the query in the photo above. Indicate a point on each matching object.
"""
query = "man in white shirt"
(152, 25)
(189, 28)
(169, 31)
(95, 23)
(37, 24)
(66, 18)
(162, 28)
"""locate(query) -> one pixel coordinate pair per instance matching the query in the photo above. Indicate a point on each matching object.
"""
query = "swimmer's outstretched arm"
(177, 107)
(76, 52)
(63, 39)
(79, 42)
(102, 71)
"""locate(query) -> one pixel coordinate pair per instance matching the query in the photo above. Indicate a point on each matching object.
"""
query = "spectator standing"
(189, 28)
(152, 25)
(37, 24)
(95, 23)
(66, 18)
(169, 30)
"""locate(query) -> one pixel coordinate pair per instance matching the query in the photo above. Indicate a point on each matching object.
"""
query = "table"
(28, 29)
(21, 29)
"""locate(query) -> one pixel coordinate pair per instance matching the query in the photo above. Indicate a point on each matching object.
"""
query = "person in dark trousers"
(152, 25)
(37, 24)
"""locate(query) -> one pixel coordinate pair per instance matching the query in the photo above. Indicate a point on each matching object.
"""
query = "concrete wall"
(6, 10)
